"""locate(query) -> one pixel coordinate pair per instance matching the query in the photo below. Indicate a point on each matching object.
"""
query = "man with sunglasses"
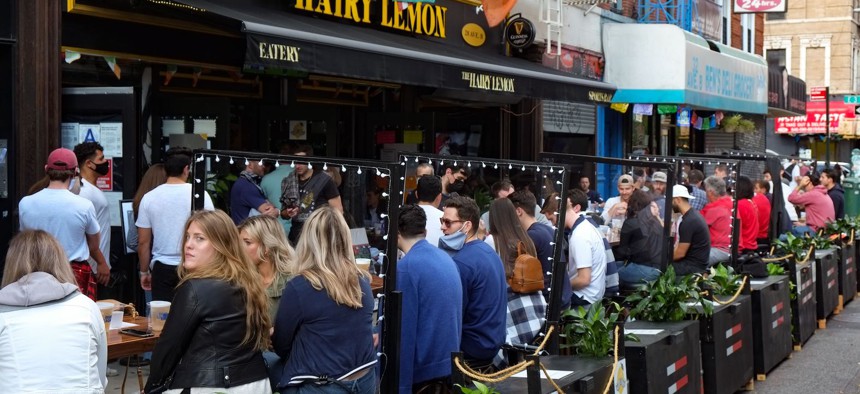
(483, 278)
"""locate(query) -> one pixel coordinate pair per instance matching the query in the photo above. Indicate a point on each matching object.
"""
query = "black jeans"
(164, 280)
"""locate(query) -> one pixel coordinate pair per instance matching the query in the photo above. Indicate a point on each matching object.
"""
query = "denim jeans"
(364, 385)
(632, 274)
(718, 256)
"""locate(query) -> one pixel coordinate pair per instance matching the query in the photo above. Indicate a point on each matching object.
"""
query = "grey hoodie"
(34, 289)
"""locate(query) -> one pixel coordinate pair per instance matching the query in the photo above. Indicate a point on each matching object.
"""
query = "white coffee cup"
(363, 264)
(106, 308)
(158, 312)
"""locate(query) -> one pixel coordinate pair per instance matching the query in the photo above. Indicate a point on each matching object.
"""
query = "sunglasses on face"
(449, 222)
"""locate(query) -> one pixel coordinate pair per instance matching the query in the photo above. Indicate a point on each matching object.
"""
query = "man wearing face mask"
(453, 181)
(483, 278)
(92, 164)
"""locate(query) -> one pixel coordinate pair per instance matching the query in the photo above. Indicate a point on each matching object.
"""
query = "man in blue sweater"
(432, 316)
(483, 278)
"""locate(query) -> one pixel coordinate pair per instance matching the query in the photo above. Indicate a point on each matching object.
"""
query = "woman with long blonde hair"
(52, 335)
(218, 320)
(267, 247)
(323, 330)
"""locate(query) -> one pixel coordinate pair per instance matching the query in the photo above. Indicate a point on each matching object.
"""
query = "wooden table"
(376, 284)
(121, 345)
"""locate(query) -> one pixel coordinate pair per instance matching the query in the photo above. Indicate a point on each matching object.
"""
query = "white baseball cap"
(681, 191)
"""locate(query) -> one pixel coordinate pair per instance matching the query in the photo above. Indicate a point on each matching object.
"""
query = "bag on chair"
(527, 275)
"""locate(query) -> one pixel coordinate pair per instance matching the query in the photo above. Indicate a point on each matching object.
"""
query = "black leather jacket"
(201, 344)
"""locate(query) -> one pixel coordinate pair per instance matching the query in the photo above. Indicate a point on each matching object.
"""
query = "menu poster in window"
(111, 139)
(298, 130)
(89, 132)
(68, 135)
(105, 182)
(205, 127)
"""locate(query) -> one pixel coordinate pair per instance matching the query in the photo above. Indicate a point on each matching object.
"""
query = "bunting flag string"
(111, 62)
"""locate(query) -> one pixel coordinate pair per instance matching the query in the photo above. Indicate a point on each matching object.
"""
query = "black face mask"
(102, 169)
(456, 187)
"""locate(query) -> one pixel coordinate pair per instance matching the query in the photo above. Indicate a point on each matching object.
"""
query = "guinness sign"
(519, 32)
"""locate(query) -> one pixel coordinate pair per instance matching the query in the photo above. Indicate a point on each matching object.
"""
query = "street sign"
(851, 99)
(818, 94)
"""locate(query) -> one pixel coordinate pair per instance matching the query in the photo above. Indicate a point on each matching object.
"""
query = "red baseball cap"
(61, 159)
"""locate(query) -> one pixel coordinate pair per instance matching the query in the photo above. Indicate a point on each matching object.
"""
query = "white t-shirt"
(97, 197)
(607, 206)
(66, 216)
(587, 250)
(433, 226)
(165, 210)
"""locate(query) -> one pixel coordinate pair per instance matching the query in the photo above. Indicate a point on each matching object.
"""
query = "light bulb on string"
(496, 166)
(231, 160)
(310, 166)
(277, 164)
(483, 165)
(378, 173)
(359, 171)
(247, 162)
(217, 159)
(537, 169)
(261, 162)
(524, 167)
(342, 168)
(416, 159)
(510, 166)
(325, 166)
(293, 164)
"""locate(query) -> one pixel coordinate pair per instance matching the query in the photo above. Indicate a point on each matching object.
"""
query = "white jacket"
(52, 338)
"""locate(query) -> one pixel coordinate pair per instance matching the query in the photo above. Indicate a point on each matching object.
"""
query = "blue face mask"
(452, 243)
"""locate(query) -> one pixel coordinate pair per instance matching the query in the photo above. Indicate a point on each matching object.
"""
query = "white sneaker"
(112, 372)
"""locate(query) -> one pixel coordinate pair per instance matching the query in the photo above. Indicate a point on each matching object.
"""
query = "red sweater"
(762, 205)
(718, 215)
(749, 225)
(818, 206)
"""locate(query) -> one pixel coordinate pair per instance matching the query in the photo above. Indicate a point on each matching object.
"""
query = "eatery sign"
(815, 121)
(757, 6)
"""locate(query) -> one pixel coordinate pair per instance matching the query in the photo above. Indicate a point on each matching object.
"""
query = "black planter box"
(847, 272)
(771, 314)
(727, 346)
(589, 376)
(667, 358)
(827, 276)
(803, 312)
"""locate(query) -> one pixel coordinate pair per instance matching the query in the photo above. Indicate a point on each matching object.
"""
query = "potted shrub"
(730, 123)
(666, 338)
(746, 125)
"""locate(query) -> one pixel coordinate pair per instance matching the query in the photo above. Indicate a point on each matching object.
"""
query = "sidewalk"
(828, 363)
(131, 385)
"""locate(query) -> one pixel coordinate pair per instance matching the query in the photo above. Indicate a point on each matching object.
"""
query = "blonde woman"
(323, 330)
(266, 245)
(218, 324)
(52, 335)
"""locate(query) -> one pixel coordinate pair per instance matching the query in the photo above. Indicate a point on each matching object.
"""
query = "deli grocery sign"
(756, 6)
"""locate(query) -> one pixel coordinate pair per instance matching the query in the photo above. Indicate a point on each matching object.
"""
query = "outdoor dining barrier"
(209, 164)
(771, 323)
(667, 358)
(827, 292)
(726, 339)
(847, 270)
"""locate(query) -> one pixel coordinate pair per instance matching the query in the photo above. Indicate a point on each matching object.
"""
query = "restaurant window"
(775, 16)
(776, 58)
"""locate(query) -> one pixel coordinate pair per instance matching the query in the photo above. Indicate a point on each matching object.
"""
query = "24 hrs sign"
(755, 6)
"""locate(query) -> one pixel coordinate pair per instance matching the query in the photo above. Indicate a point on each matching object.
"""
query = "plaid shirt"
(525, 317)
(701, 199)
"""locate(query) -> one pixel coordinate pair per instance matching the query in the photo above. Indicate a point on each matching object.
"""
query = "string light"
(293, 164)
(247, 162)
(277, 164)
(261, 162)
(217, 159)
(325, 166)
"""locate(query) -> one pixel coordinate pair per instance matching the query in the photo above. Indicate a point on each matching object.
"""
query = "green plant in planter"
(668, 298)
(590, 331)
(219, 187)
(775, 269)
(483, 199)
(480, 388)
(723, 280)
(730, 123)
(821, 242)
(746, 125)
(792, 245)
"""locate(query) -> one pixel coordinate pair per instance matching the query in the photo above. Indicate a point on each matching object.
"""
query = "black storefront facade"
(357, 82)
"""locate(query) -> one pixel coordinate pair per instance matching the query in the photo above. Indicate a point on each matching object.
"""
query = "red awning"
(814, 121)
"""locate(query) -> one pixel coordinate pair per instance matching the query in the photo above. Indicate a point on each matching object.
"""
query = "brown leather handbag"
(527, 275)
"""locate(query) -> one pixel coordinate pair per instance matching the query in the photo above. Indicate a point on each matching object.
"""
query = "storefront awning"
(663, 64)
(305, 44)
(786, 94)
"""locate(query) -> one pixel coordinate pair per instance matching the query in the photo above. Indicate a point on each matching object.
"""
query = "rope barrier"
(506, 373)
(776, 259)
(851, 240)
(614, 363)
(734, 297)
(808, 253)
